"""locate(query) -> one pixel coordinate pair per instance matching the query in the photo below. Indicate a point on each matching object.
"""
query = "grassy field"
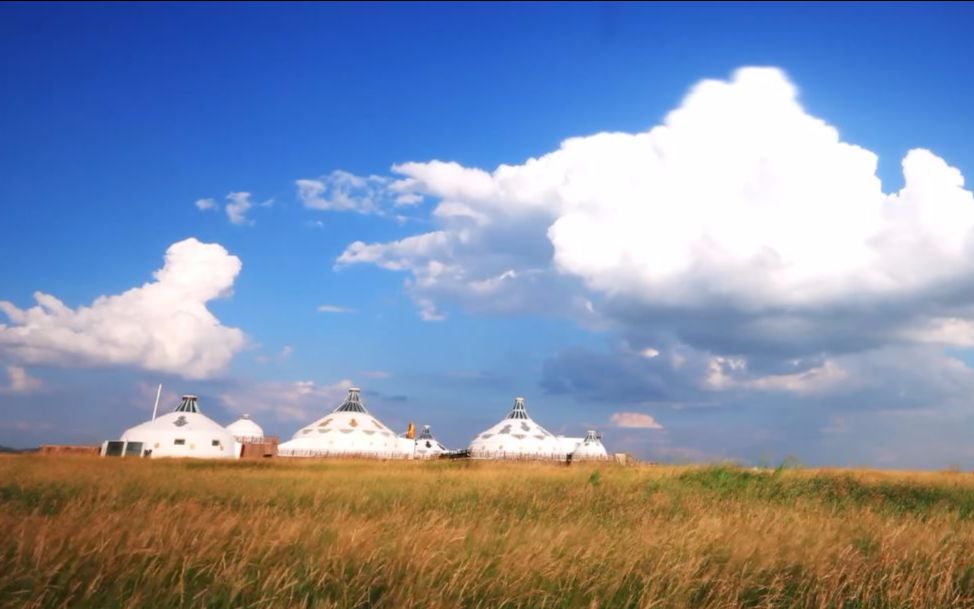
(89, 532)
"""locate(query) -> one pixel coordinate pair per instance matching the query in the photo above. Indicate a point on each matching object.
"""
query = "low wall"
(67, 449)
(259, 448)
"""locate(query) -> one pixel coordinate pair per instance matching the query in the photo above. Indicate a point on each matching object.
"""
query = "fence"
(327, 454)
(62, 449)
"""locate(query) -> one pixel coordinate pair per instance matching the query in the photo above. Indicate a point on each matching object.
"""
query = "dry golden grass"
(87, 532)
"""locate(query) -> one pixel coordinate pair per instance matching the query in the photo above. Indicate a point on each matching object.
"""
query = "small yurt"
(349, 430)
(428, 447)
(517, 436)
(184, 432)
(591, 448)
(246, 430)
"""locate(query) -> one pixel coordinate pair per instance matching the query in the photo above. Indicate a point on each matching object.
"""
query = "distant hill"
(7, 449)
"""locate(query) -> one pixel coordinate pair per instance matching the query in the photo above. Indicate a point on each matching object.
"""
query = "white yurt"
(245, 429)
(428, 447)
(517, 436)
(406, 447)
(591, 448)
(349, 430)
(184, 432)
(567, 445)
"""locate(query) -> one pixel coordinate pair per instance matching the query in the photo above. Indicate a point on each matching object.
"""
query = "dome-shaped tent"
(184, 432)
(245, 429)
(428, 447)
(517, 436)
(568, 444)
(349, 430)
(591, 448)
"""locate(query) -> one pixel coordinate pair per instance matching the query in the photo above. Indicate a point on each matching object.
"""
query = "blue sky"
(117, 120)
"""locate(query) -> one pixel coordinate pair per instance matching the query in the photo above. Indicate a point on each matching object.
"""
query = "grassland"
(85, 532)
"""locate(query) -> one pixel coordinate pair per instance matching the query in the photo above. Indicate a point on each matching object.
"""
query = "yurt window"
(215, 443)
(179, 441)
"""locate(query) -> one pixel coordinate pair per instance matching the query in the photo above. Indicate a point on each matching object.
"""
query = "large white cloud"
(163, 325)
(740, 218)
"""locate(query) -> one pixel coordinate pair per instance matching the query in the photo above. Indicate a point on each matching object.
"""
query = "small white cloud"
(428, 310)
(634, 420)
(650, 353)
(20, 381)
(334, 309)
(344, 191)
(238, 204)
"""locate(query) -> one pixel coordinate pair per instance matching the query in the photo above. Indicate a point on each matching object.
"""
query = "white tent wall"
(348, 431)
(427, 446)
(568, 444)
(184, 432)
(591, 448)
(246, 429)
(517, 436)
(407, 446)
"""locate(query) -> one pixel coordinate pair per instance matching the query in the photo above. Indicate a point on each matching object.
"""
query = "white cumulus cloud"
(164, 325)
(740, 223)
(634, 420)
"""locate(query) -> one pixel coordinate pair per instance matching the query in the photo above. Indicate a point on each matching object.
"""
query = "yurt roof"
(425, 442)
(348, 429)
(245, 427)
(186, 417)
(188, 404)
(515, 435)
(591, 446)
